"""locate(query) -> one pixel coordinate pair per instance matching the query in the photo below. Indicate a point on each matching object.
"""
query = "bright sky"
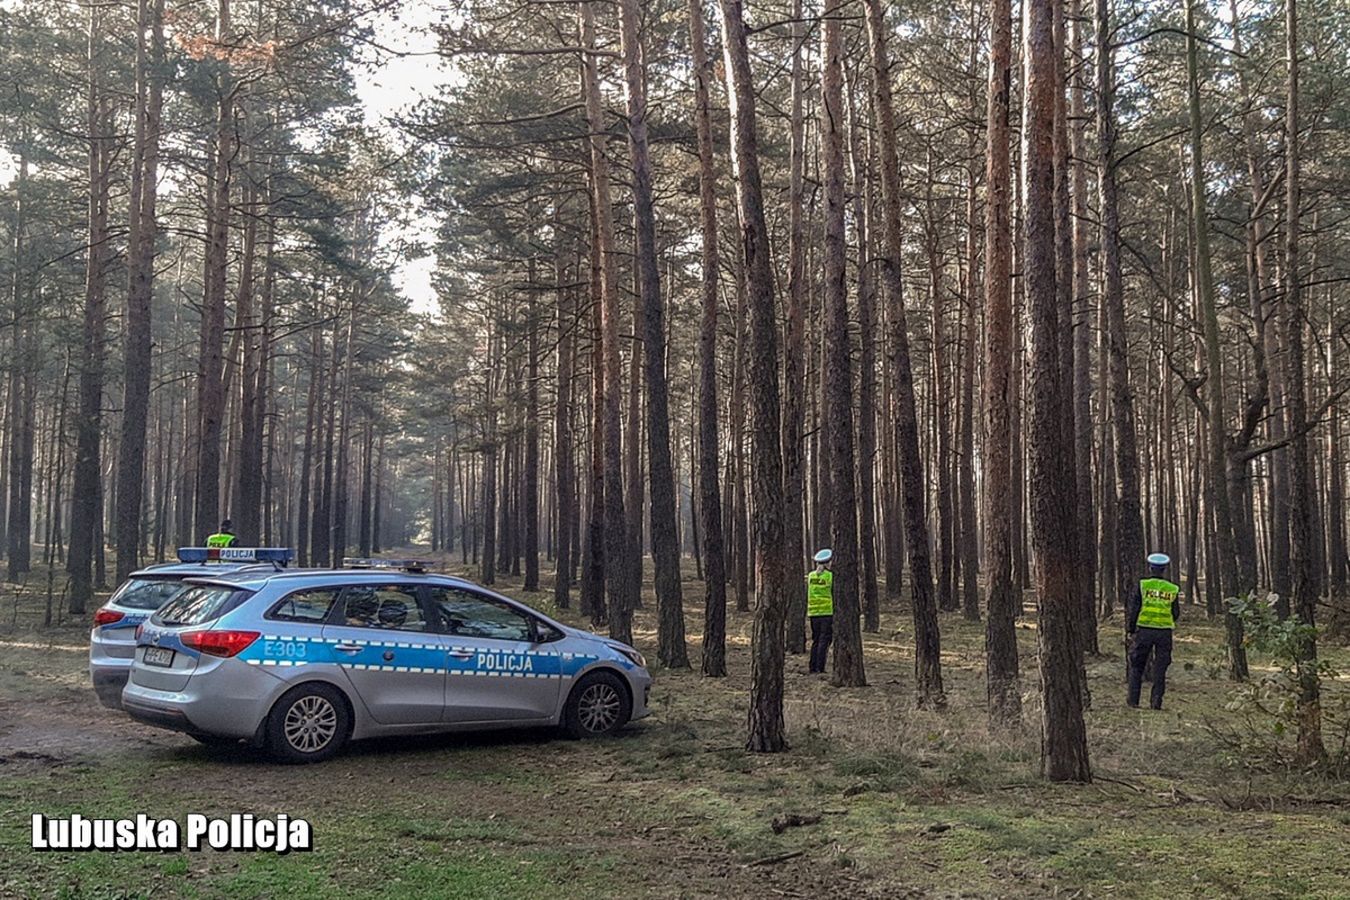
(401, 74)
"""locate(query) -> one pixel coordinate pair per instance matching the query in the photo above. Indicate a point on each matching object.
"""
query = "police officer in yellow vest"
(820, 609)
(1150, 617)
(224, 537)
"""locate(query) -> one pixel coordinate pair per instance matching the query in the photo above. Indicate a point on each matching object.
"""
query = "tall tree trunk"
(671, 650)
(564, 464)
(710, 497)
(794, 355)
(1064, 752)
(928, 655)
(616, 563)
(863, 195)
(530, 481)
(1225, 539)
(838, 393)
(85, 510)
(1303, 494)
(141, 234)
(1002, 597)
(1129, 526)
(766, 732)
(210, 386)
(1082, 342)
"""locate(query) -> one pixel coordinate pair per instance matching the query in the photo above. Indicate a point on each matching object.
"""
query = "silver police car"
(112, 640)
(301, 662)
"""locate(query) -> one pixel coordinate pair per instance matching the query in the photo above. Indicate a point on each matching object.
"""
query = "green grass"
(911, 802)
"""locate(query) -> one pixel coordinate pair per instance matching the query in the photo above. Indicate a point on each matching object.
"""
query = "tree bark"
(1064, 752)
(671, 649)
(766, 732)
(1225, 538)
(838, 413)
(928, 655)
(616, 564)
(140, 284)
(794, 354)
(1303, 494)
(710, 498)
(1001, 597)
(1129, 526)
(85, 509)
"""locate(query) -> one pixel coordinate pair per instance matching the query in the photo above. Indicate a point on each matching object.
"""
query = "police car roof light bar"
(407, 565)
(277, 556)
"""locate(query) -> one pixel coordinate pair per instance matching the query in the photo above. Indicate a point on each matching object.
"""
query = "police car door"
(381, 637)
(498, 670)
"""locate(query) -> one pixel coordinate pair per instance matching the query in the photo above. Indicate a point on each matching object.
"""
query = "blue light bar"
(277, 555)
(407, 565)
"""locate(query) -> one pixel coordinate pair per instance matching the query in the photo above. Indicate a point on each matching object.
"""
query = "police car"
(301, 662)
(112, 640)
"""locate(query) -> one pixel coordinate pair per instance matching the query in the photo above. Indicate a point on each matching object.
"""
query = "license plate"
(158, 656)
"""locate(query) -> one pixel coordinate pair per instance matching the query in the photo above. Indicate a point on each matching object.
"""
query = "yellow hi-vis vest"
(1158, 595)
(220, 539)
(820, 593)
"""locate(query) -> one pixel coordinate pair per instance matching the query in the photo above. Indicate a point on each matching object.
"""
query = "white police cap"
(1159, 559)
(824, 555)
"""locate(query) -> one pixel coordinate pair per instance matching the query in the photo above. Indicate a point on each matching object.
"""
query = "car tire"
(308, 724)
(598, 706)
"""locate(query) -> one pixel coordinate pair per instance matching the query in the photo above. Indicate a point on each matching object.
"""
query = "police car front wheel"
(599, 706)
(309, 724)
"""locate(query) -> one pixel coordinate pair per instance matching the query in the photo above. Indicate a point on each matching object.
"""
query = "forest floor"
(910, 804)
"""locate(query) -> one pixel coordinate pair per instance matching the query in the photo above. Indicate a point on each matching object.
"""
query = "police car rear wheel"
(309, 724)
(599, 706)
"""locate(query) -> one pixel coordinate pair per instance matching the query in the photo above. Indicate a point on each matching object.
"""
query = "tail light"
(218, 643)
(107, 616)
(140, 629)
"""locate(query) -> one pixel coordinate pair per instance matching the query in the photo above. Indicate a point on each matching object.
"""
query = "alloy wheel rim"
(310, 724)
(599, 708)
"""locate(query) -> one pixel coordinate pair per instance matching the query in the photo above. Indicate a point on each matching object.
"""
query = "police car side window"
(467, 614)
(386, 607)
(310, 606)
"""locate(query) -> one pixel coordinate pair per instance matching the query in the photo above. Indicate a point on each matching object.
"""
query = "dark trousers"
(822, 632)
(1157, 641)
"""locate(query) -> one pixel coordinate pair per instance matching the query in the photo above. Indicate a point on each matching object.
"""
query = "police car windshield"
(146, 593)
(199, 603)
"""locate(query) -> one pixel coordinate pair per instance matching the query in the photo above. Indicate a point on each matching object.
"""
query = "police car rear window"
(199, 603)
(146, 593)
(305, 606)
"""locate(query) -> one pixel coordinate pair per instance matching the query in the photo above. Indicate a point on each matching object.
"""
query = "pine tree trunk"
(1129, 526)
(1303, 493)
(1064, 755)
(85, 511)
(616, 563)
(1225, 538)
(794, 355)
(710, 497)
(1002, 597)
(838, 393)
(1082, 341)
(766, 732)
(564, 465)
(210, 390)
(141, 235)
(928, 655)
(661, 483)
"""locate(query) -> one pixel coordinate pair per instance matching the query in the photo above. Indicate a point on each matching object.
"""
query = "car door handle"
(348, 648)
(462, 654)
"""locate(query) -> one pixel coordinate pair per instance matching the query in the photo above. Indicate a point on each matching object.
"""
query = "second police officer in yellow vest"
(1150, 617)
(820, 609)
(224, 537)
